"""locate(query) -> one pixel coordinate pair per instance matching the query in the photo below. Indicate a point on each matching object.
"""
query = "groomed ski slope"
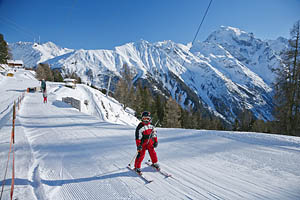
(64, 154)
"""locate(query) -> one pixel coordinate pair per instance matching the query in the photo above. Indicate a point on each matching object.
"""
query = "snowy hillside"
(97, 104)
(61, 153)
(229, 72)
(93, 102)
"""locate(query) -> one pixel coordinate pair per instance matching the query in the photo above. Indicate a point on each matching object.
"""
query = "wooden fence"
(16, 106)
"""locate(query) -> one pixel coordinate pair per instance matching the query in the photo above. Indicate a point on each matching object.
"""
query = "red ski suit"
(143, 136)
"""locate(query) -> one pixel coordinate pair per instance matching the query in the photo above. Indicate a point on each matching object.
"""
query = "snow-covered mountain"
(255, 54)
(225, 74)
(33, 53)
(279, 44)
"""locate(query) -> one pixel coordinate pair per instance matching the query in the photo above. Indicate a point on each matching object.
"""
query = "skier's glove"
(139, 148)
(155, 144)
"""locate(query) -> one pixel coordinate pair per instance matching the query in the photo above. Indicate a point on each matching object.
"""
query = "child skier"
(146, 139)
(45, 96)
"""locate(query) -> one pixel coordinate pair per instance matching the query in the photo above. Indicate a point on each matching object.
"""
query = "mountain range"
(227, 73)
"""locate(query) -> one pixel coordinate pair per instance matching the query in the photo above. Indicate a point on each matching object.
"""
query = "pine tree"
(236, 125)
(217, 124)
(246, 120)
(138, 100)
(146, 98)
(287, 86)
(157, 108)
(57, 77)
(199, 123)
(259, 126)
(4, 51)
(160, 102)
(187, 118)
(172, 114)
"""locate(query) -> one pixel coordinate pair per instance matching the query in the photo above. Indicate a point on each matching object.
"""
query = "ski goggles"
(146, 119)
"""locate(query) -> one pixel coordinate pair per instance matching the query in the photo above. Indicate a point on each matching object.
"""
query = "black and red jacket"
(143, 132)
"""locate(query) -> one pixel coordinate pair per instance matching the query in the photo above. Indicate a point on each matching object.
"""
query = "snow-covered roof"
(69, 80)
(19, 62)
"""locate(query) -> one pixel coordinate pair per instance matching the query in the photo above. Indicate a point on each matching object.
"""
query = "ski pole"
(152, 132)
(133, 158)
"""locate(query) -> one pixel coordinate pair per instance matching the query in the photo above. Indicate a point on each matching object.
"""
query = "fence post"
(19, 99)
(13, 175)
(14, 117)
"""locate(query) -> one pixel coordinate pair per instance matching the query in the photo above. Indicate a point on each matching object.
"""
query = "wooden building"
(15, 63)
(69, 82)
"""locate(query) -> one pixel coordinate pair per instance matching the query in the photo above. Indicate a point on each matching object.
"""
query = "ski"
(159, 170)
(141, 175)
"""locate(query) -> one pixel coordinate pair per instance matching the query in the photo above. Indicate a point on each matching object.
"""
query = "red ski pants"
(140, 157)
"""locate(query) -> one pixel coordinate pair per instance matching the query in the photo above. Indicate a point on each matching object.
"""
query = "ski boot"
(138, 170)
(156, 165)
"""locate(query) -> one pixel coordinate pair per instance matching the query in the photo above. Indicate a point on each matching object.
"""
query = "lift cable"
(202, 22)
(199, 26)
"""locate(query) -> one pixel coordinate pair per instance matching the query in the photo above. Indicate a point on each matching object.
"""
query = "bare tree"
(287, 86)
(43, 71)
(124, 90)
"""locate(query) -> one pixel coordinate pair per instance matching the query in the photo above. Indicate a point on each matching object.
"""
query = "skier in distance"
(45, 96)
(43, 85)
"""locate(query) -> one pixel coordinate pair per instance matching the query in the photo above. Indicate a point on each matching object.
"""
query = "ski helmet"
(146, 117)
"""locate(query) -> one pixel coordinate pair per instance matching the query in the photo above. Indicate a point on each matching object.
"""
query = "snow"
(61, 153)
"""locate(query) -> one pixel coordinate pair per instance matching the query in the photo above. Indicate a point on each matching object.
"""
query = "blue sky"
(104, 24)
